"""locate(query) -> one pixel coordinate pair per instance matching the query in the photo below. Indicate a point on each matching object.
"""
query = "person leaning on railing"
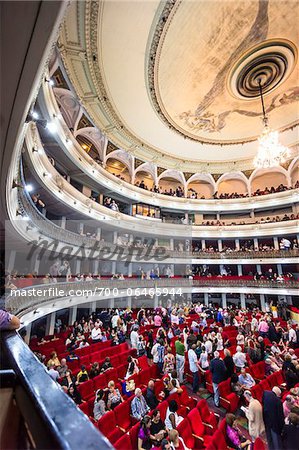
(8, 321)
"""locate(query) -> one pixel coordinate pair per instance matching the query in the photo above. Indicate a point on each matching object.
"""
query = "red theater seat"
(107, 425)
(207, 416)
(191, 440)
(124, 443)
(228, 399)
(86, 389)
(123, 416)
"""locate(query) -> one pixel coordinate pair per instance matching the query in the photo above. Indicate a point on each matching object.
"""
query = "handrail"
(53, 231)
(21, 303)
(53, 419)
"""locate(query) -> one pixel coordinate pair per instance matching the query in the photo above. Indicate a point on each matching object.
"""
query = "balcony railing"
(53, 231)
(18, 303)
(49, 419)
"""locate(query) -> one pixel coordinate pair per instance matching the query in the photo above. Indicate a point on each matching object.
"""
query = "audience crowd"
(187, 345)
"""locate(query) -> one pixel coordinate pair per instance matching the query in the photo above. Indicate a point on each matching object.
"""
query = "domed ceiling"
(176, 82)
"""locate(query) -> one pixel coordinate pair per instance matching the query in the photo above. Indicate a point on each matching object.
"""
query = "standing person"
(169, 361)
(219, 374)
(254, 414)
(134, 337)
(194, 367)
(229, 363)
(180, 358)
(160, 355)
(273, 417)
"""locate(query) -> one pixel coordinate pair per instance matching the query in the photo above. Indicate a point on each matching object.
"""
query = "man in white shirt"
(155, 353)
(194, 366)
(96, 333)
(134, 337)
(239, 358)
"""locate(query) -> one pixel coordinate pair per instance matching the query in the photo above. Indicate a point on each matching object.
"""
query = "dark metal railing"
(52, 419)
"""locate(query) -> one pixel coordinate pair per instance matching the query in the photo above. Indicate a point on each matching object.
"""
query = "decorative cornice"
(88, 53)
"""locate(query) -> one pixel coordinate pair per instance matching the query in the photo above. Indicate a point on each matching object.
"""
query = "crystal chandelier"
(270, 152)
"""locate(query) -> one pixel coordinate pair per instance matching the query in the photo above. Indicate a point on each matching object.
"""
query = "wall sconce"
(19, 212)
(50, 81)
(45, 174)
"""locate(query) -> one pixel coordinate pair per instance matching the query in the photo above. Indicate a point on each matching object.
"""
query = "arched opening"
(232, 186)
(201, 189)
(88, 147)
(118, 169)
(171, 186)
(268, 180)
(295, 174)
(144, 180)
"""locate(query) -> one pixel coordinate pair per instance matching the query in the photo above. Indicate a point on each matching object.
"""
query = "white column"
(221, 268)
(96, 266)
(63, 222)
(101, 199)
(78, 266)
(171, 244)
(203, 244)
(156, 301)
(240, 271)
(219, 245)
(279, 269)
(237, 244)
(243, 301)
(81, 227)
(255, 242)
(130, 269)
(11, 260)
(129, 299)
(50, 323)
(114, 237)
(72, 315)
(113, 267)
(258, 268)
(92, 307)
(223, 295)
(99, 233)
(275, 242)
(206, 298)
(263, 306)
(36, 265)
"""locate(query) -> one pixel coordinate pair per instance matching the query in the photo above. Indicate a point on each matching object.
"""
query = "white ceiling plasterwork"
(106, 48)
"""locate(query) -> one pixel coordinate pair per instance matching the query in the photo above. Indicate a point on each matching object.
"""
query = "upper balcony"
(131, 170)
(66, 194)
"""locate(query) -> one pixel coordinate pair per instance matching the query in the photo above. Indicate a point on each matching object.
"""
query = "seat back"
(107, 423)
(195, 421)
(185, 432)
(124, 443)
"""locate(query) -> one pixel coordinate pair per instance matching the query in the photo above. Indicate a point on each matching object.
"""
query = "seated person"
(74, 394)
(172, 418)
(82, 375)
(114, 396)
(157, 429)
(106, 365)
(234, 437)
(139, 407)
(99, 408)
(236, 386)
(144, 441)
(150, 395)
(95, 370)
(176, 442)
(246, 379)
(54, 360)
(132, 367)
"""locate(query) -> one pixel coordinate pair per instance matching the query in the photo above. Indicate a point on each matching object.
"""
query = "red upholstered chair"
(190, 439)
(144, 376)
(100, 381)
(186, 400)
(162, 407)
(272, 380)
(121, 371)
(265, 385)
(95, 357)
(207, 416)
(123, 416)
(209, 384)
(86, 389)
(124, 443)
(107, 425)
(198, 427)
(111, 374)
(218, 442)
(134, 435)
(228, 399)
(258, 370)
(259, 444)
(279, 378)
(257, 392)
(84, 408)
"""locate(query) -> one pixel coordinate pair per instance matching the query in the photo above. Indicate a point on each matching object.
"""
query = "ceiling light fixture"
(270, 152)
